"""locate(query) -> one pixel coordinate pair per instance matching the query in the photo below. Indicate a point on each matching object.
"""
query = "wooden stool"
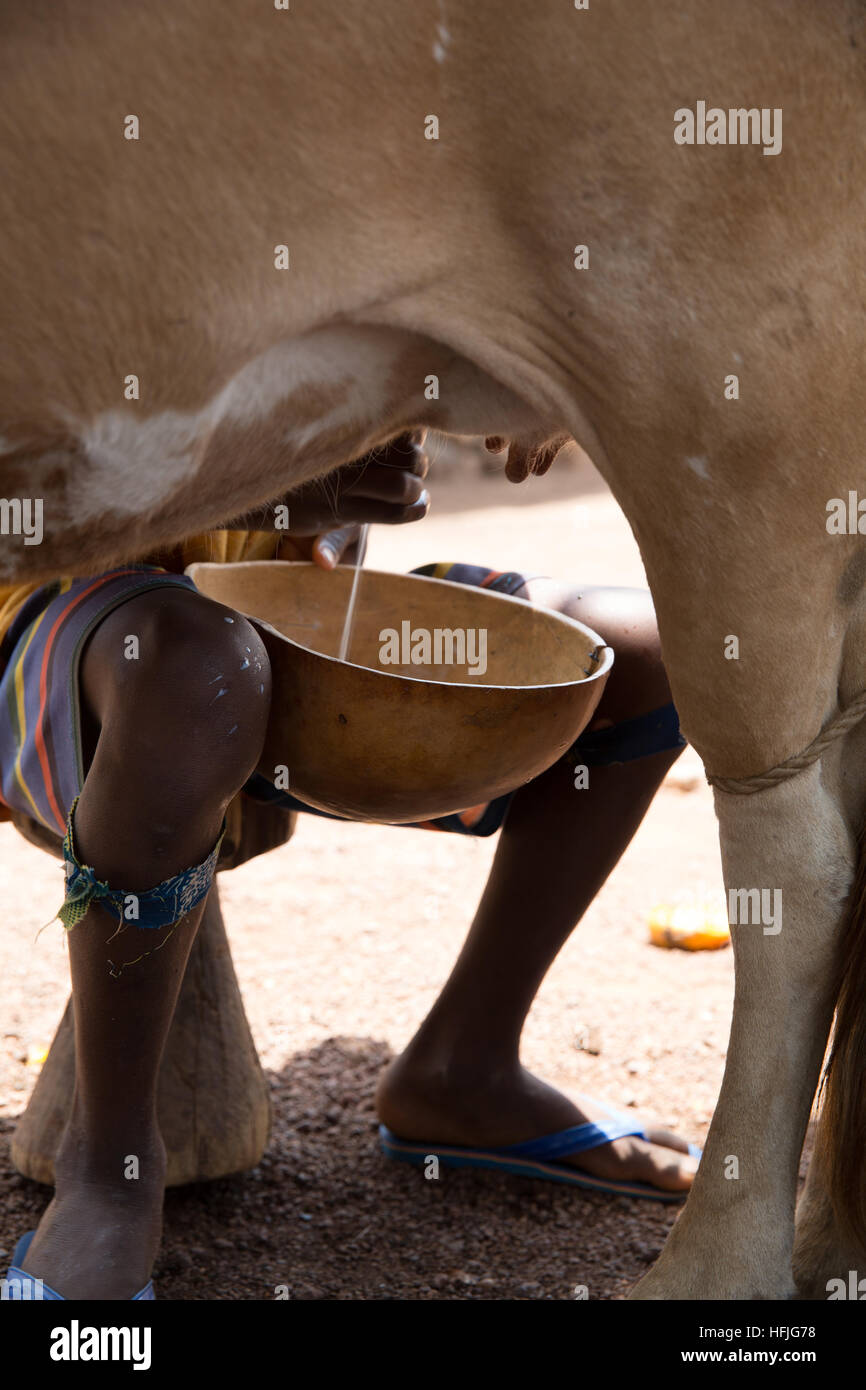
(213, 1102)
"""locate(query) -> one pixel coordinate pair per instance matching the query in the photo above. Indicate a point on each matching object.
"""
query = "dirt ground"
(341, 940)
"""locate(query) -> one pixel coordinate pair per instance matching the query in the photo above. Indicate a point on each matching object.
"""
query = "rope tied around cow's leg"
(798, 762)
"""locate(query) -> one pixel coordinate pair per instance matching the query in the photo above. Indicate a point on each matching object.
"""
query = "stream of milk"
(353, 596)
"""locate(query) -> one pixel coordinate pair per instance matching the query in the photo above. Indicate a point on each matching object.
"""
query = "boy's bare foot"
(99, 1236)
(459, 1104)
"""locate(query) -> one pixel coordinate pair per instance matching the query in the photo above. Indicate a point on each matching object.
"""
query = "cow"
(244, 243)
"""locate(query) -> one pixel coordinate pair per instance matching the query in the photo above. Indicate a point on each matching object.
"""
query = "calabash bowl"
(406, 742)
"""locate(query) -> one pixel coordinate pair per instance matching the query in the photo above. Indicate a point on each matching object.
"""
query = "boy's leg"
(460, 1080)
(177, 732)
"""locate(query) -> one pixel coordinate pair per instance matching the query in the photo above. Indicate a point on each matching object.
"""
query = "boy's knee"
(184, 681)
(625, 618)
(638, 682)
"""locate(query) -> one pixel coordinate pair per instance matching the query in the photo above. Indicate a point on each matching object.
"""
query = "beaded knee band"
(154, 908)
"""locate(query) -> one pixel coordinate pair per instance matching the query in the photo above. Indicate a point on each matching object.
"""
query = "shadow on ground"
(325, 1215)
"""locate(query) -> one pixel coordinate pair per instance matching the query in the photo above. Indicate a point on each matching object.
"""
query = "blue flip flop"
(20, 1285)
(535, 1158)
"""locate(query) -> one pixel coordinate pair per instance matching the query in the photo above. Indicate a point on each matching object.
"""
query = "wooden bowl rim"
(605, 652)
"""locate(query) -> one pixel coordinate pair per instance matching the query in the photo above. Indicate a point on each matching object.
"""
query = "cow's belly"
(128, 481)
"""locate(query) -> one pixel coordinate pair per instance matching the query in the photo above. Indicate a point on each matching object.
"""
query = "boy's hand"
(386, 486)
(325, 515)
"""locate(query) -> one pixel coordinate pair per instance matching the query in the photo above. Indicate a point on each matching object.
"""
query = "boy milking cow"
(135, 763)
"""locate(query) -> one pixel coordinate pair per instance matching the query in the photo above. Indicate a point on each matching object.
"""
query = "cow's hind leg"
(823, 1250)
(735, 1237)
(756, 658)
(830, 1242)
